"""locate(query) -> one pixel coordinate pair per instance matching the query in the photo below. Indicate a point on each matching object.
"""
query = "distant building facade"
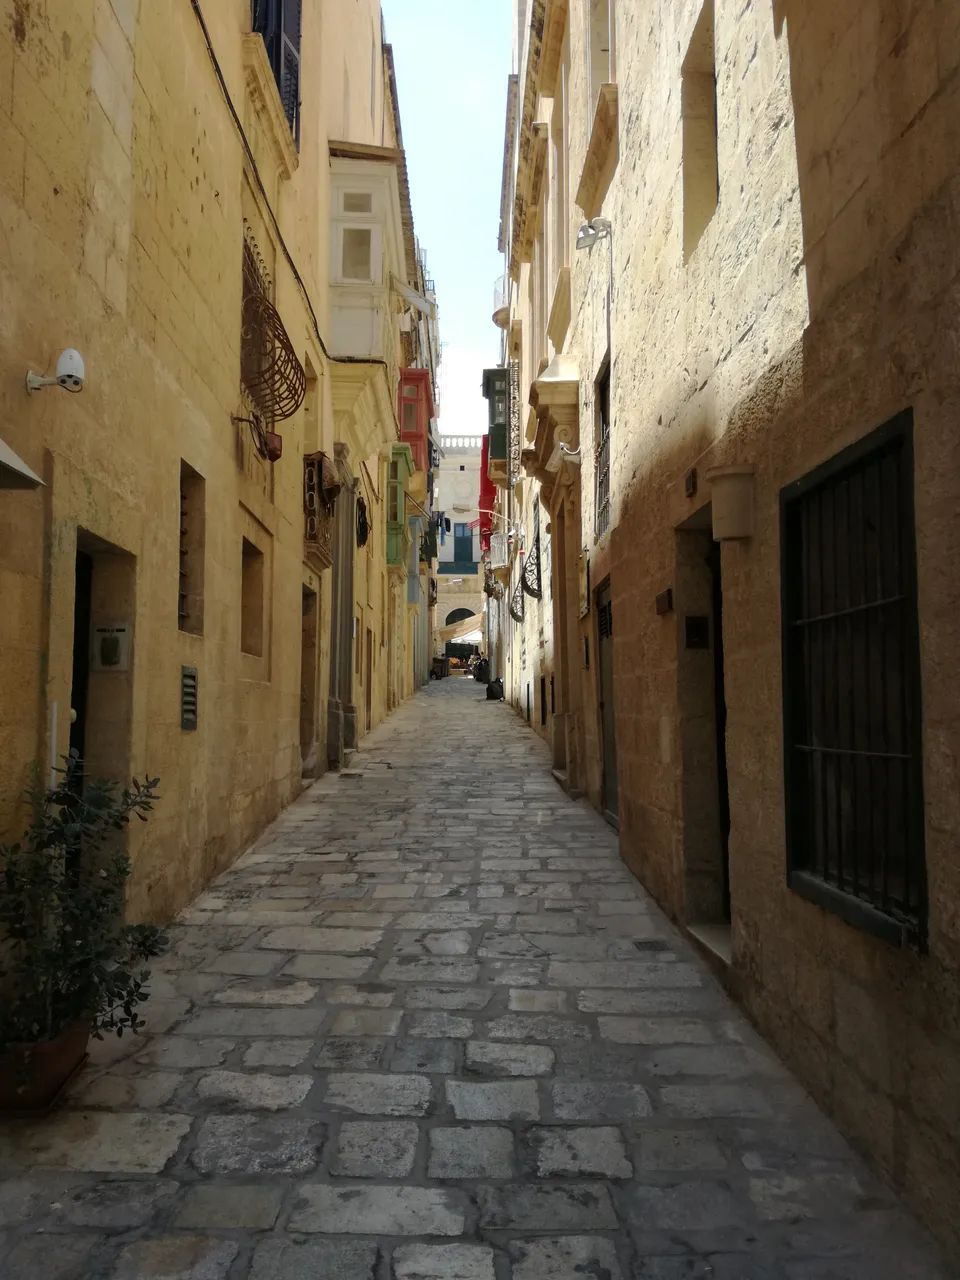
(460, 598)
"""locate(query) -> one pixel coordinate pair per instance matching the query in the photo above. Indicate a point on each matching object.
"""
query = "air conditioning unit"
(499, 551)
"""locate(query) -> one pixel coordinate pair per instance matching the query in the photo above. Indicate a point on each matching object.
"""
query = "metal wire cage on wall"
(271, 374)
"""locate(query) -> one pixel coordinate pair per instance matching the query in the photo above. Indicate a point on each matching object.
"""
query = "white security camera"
(70, 373)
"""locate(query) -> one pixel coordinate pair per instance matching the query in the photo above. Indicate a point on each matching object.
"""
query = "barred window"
(603, 452)
(851, 687)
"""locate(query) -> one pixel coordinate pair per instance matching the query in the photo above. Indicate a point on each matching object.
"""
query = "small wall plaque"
(696, 632)
(664, 602)
(111, 648)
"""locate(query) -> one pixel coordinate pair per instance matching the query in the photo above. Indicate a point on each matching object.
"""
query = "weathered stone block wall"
(122, 194)
(822, 298)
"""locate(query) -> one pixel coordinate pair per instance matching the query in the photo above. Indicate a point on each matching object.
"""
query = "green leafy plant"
(65, 954)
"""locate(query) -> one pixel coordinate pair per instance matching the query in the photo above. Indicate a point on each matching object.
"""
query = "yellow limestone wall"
(123, 190)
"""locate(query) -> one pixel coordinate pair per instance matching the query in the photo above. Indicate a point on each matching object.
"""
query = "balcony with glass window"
(398, 528)
(415, 410)
(496, 390)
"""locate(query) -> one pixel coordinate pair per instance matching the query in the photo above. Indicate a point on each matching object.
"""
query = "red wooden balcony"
(414, 410)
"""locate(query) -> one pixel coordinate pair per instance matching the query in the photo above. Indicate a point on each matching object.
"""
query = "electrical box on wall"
(111, 647)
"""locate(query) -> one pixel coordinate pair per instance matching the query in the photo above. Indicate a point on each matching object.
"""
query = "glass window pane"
(357, 253)
(357, 202)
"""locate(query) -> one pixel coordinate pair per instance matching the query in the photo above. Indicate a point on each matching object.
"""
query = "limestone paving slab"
(570, 1258)
(474, 1151)
(429, 1027)
(373, 1094)
(196, 1257)
(380, 1211)
(67, 1259)
(296, 1258)
(376, 1149)
(443, 1262)
(93, 1141)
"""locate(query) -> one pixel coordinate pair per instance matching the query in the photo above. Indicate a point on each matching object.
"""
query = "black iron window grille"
(530, 579)
(517, 603)
(319, 504)
(851, 687)
(602, 520)
(278, 21)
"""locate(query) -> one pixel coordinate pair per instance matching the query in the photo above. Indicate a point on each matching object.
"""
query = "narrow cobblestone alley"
(430, 1028)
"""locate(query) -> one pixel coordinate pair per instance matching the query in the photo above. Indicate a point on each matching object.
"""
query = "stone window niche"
(192, 538)
(251, 599)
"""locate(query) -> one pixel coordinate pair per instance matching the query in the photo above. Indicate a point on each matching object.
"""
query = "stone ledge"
(559, 320)
(603, 152)
(265, 97)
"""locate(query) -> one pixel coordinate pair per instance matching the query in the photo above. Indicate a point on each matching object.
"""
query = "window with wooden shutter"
(278, 21)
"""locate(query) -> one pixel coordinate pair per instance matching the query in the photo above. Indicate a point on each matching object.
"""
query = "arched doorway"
(458, 615)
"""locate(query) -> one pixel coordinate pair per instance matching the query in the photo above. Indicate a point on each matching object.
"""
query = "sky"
(453, 59)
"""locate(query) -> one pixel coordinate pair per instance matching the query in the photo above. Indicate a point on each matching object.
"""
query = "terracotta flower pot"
(50, 1066)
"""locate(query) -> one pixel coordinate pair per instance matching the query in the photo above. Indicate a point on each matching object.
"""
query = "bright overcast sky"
(453, 59)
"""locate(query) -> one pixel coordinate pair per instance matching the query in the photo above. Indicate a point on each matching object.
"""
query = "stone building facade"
(460, 598)
(730, 233)
(217, 218)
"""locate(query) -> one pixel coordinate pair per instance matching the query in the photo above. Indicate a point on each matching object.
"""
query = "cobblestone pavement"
(430, 1028)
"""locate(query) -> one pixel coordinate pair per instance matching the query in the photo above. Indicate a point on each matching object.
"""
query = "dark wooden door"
(607, 710)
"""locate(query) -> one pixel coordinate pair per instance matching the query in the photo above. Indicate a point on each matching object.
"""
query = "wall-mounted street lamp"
(592, 231)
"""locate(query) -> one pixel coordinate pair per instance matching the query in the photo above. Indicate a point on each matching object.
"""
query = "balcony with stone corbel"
(555, 398)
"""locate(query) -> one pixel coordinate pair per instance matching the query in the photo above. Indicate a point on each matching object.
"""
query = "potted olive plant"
(69, 967)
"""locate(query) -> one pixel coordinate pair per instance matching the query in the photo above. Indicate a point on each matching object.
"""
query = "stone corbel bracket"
(555, 398)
